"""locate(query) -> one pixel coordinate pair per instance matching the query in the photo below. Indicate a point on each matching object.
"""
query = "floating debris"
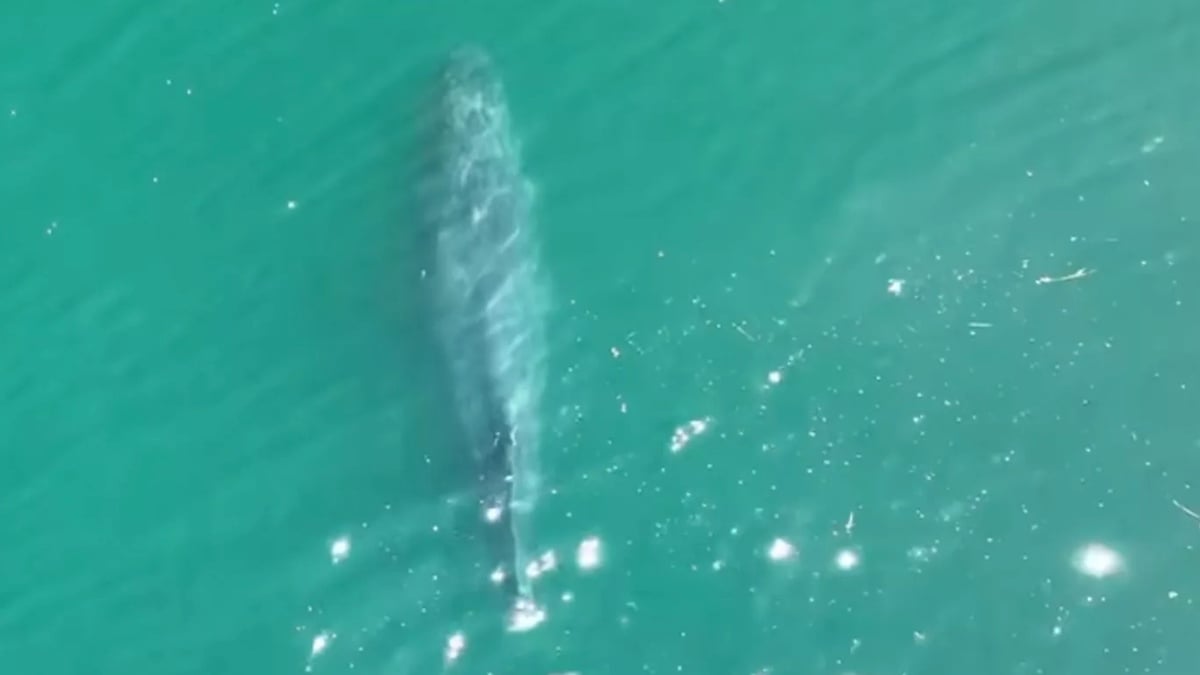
(1077, 274)
(1186, 510)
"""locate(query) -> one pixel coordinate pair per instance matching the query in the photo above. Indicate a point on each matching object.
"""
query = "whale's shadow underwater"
(483, 302)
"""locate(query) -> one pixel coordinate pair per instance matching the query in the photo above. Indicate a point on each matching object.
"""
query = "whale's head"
(474, 98)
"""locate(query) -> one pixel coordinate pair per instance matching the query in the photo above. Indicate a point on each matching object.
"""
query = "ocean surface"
(873, 344)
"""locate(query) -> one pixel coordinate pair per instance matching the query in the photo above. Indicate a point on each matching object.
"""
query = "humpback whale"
(491, 307)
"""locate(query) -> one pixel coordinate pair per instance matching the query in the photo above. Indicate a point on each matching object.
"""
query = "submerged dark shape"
(490, 300)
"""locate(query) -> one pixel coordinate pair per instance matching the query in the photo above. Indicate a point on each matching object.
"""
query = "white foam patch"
(588, 554)
(455, 645)
(781, 549)
(686, 432)
(339, 550)
(320, 643)
(847, 559)
(525, 616)
(497, 576)
(1098, 560)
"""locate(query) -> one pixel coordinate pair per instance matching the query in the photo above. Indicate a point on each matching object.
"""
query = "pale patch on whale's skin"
(492, 305)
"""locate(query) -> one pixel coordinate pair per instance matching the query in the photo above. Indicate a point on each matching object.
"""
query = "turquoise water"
(962, 236)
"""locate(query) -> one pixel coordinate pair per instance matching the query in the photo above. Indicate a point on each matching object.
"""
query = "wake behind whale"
(492, 303)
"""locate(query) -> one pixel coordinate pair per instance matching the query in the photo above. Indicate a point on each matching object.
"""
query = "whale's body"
(491, 302)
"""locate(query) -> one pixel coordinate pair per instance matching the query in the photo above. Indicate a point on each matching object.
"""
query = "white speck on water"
(685, 433)
(1152, 144)
(493, 513)
(320, 643)
(1097, 560)
(547, 562)
(525, 616)
(339, 550)
(774, 377)
(847, 559)
(895, 286)
(781, 549)
(291, 204)
(455, 646)
(1171, 595)
(588, 554)
(921, 554)
(616, 353)
(189, 91)
(497, 576)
